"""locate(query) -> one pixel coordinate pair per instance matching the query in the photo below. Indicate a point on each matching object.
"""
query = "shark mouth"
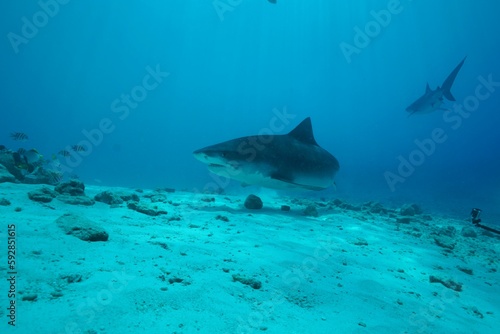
(229, 165)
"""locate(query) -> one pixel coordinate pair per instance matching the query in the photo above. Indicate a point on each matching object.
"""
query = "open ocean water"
(130, 89)
(225, 67)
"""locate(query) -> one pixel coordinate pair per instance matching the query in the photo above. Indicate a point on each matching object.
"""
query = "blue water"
(231, 67)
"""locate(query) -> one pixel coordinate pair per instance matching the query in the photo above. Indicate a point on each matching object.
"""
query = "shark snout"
(200, 155)
(208, 156)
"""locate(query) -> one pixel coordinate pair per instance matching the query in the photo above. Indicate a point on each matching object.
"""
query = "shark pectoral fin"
(285, 177)
(282, 176)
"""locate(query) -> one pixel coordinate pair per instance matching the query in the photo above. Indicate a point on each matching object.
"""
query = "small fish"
(64, 153)
(19, 136)
(21, 151)
(32, 157)
(78, 148)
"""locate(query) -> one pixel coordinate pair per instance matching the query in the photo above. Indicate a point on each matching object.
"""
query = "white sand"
(315, 278)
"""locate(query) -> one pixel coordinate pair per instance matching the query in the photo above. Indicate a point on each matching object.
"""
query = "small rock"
(43, 195)
(158, 198)
(468, 232)
(5, 175)
(253, 202)
(126, 196)
(337, 202)
(56, 294)
(474, 310)
(73, 278)
(445, 242)
(4, 202)
(410, 210)
(360, 242)
(222, 218)
(175, 280)
(42, 176)
(146, 209)
(377, 208)
(255, 284)
(72, 188)
(450, 284)
(448, 231)
(108, 197)
(31, 297)
(8, 162)
(76, 200)
(407, 210)
(285, 208)
(81, 227)
(311, 210)
(468, 271)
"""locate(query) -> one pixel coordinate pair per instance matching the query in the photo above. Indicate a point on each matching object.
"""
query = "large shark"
(433, 99)
(290, 161)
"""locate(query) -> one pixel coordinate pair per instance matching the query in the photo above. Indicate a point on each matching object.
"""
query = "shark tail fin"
(446, 87)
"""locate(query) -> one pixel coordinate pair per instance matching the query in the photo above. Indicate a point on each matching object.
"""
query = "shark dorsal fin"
(303, 132)
(427, 88)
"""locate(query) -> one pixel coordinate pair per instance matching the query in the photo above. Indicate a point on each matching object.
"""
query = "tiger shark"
(290, 161)
(433, 99)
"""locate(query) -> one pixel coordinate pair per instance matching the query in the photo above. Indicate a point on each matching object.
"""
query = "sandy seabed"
(209, 265)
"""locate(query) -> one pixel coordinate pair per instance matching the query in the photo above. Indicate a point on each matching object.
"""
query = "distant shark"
(290, 161)
(433, 99)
